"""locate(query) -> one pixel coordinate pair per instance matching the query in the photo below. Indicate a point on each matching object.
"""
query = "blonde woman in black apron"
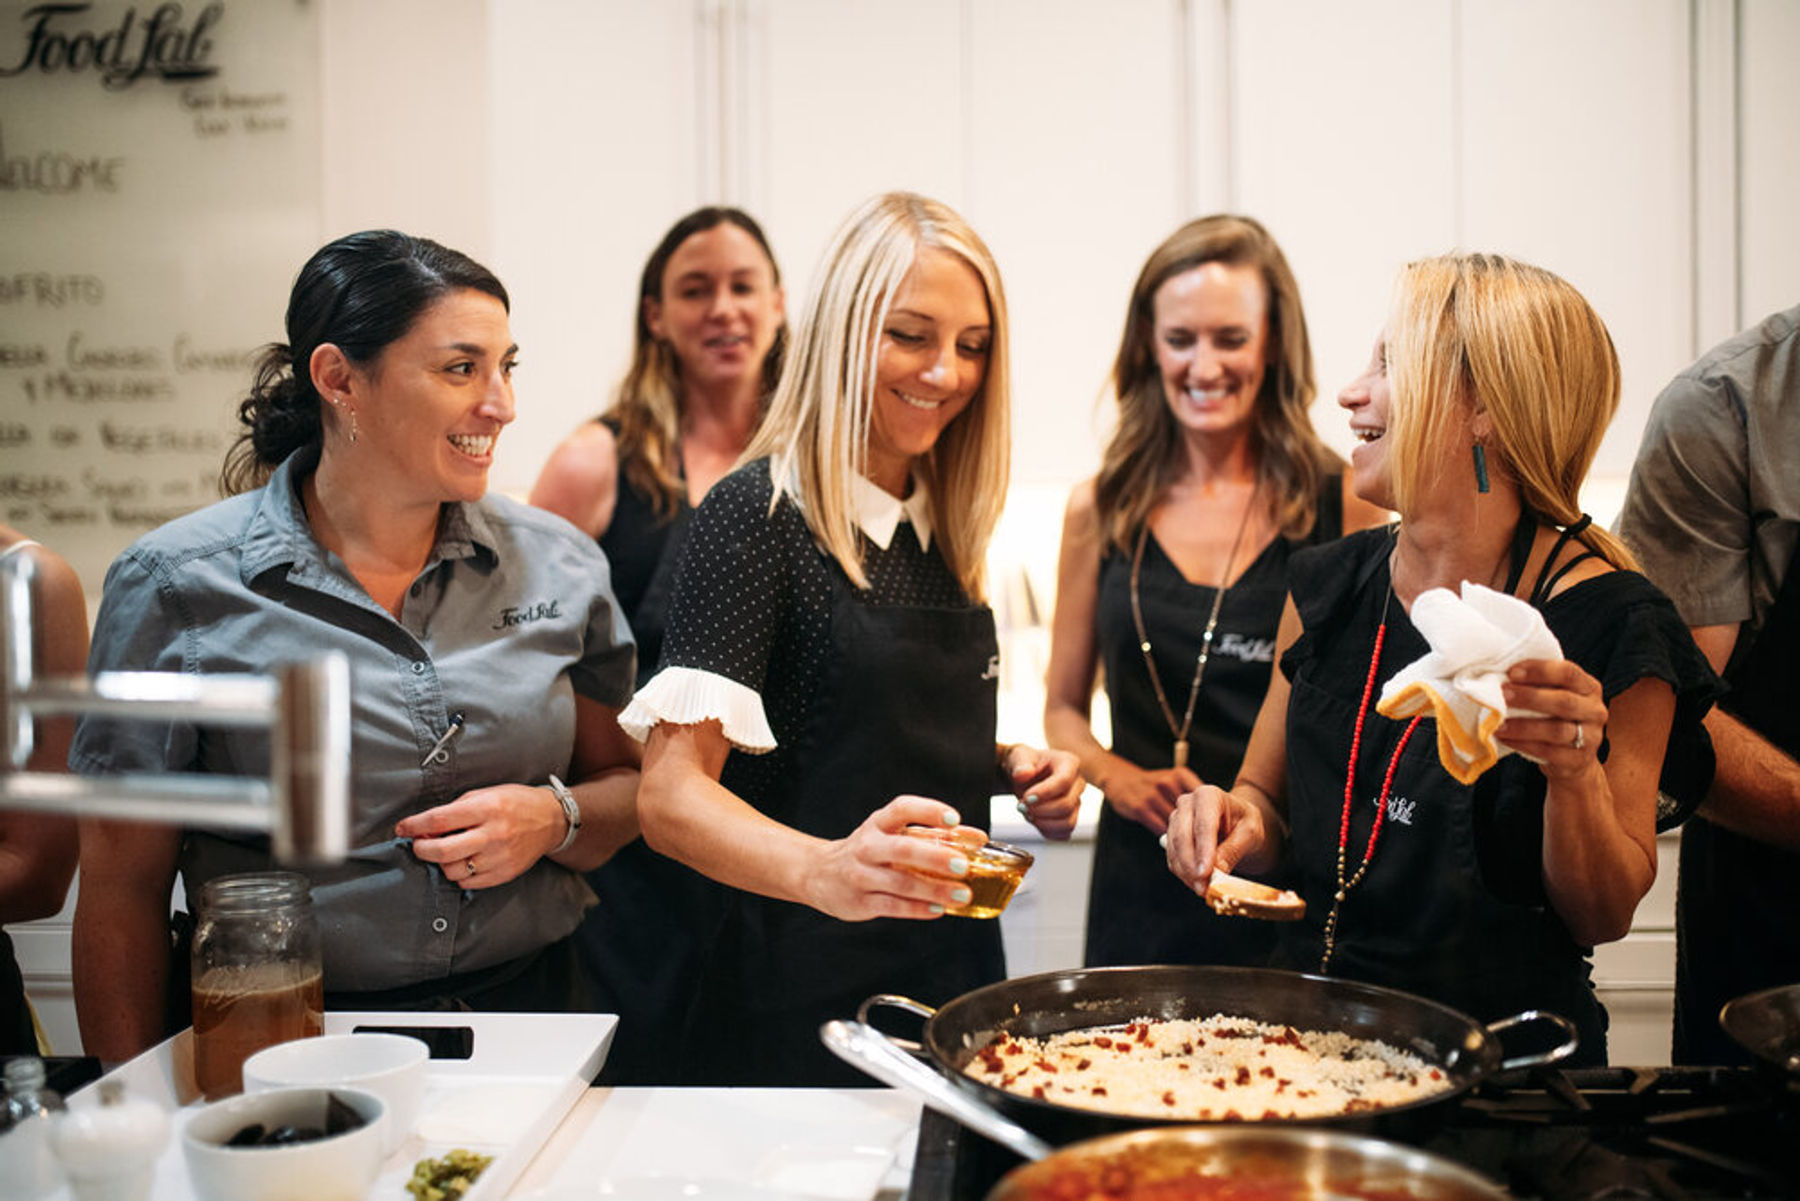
(1476, 420)
(829, 667)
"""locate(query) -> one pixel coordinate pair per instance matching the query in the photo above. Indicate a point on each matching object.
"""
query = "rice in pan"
(1211, 1069)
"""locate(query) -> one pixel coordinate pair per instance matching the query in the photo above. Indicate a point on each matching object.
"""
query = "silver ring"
(470, 861)
(1580, 741)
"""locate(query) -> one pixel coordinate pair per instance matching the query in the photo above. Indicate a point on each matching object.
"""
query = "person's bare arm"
(1146, 797)
(38, 850)
(688, 815)
(1756, 786)
(120, 950)
(1242, 829)
(580, 482)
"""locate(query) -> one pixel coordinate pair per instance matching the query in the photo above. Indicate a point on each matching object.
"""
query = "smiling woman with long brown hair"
(1174, 563)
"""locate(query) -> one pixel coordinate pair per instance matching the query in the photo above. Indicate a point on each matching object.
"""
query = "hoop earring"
(1481, 474)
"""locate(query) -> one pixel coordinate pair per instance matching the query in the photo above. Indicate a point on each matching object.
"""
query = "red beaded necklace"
(1387, 787)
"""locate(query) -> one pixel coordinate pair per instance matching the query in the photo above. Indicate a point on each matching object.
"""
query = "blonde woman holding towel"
(1476, 419)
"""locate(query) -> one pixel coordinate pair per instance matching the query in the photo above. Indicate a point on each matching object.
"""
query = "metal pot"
(1239, 1161)
(1767, 1025)
(1037, 1006)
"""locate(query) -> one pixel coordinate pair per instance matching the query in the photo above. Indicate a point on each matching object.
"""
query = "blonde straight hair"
(1487, 331)
(816, 433)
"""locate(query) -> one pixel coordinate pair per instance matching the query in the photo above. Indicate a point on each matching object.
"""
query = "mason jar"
(256, 974)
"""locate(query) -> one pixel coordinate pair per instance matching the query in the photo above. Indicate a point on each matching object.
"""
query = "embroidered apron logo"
(524, 615)
(1400, 809)
(1250, 650)
(993, 668)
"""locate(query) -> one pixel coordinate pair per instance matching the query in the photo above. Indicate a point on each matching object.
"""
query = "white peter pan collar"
(878, 513)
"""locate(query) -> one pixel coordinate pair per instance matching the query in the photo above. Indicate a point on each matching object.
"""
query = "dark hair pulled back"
(360, 293)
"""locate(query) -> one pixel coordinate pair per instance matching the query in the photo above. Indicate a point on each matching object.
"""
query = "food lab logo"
(58, 39)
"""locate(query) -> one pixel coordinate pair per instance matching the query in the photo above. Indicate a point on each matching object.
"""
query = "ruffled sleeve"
(685, 696)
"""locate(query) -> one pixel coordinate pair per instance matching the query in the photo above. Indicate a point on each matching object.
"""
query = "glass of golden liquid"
(995, 870)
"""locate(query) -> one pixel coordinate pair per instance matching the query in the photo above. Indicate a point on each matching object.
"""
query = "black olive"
(340, 1115)
(283, 1136)
(249, 1136)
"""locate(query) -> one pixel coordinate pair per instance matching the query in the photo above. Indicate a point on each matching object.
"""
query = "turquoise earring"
(1481, 475)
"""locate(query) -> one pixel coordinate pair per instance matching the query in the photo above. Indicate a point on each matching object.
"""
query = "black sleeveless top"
(1453, 906)
(1138, 912)
(643, 548)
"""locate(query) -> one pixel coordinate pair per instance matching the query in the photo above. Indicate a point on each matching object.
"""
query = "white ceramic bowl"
(340, 1167)
(392, 1066)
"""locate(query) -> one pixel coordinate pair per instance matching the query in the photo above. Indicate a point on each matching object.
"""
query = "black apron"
(908, 706)
(1432, 916)
(1138, 911)
(638, 945)
(1737, 910)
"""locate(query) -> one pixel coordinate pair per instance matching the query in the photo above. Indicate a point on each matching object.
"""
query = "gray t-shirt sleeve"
(140, 627)
(1687, 508)
(609, 668)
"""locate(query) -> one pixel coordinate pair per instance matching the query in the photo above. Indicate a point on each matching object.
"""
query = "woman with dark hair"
(487, 658)
(706, 355)
(1174, 563)
(1481, 883)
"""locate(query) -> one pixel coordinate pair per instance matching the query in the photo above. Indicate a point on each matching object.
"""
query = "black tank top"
(644, 549)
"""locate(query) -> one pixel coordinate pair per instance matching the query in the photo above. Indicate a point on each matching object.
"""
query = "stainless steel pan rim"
(1321, 1157)
(1766, 1024)
(1050, 1002)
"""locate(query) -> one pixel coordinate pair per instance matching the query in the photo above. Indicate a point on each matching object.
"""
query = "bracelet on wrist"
(571, 811)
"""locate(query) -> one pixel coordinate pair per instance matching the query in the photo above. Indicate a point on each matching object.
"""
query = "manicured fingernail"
(937, 909)
(952, 818)
(962, 896)
(959, 866)
(1162, 840)
(1031, 798)
(1022, 807)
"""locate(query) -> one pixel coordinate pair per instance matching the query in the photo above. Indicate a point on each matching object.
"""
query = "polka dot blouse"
(752, 603)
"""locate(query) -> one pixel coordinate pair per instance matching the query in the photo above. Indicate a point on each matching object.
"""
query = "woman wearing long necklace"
(1477, 418)
(1174, 565)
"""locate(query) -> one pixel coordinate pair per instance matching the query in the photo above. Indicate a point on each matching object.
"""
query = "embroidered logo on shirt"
(993, 668)
(1400, 809)
(1250, 650)
(518, 615)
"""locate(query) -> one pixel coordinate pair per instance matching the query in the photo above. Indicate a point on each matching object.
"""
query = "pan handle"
(896, 1001)
(1556, 1054)
(865, 1047)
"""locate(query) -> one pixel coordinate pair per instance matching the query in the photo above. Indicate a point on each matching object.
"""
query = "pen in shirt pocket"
(440, 751)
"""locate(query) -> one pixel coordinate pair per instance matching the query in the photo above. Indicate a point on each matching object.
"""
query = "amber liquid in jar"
(240, 1010)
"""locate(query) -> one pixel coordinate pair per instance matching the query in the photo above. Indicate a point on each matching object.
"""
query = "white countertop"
(711, 1144)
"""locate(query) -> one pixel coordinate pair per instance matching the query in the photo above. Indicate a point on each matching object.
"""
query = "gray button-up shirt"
(512, 616)
(1713, 509)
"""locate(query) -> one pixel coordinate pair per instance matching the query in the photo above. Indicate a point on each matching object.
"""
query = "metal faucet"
(304, 805)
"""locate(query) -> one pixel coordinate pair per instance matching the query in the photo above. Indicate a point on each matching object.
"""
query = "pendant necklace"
(1381, 804)
(1180, 732)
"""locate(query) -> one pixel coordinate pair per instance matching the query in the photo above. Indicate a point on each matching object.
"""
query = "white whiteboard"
(159, 189)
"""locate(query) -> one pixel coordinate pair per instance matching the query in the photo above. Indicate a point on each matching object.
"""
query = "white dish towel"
(1474, 639)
